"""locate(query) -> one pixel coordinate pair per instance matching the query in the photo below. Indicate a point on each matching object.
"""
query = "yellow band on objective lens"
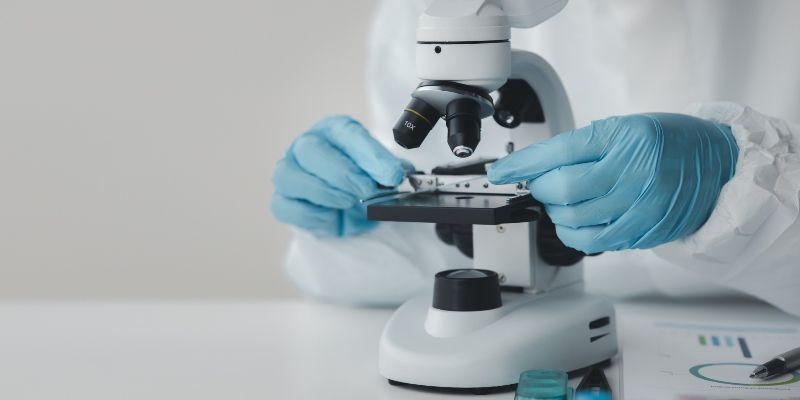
(419, 115)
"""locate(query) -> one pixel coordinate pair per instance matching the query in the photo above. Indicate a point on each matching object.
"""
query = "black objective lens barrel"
(415, 123)
(463, 126)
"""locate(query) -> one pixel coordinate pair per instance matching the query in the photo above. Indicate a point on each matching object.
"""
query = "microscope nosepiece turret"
(462, 106)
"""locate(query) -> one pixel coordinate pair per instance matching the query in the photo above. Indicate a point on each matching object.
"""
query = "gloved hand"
(626, 182)
(326, 171)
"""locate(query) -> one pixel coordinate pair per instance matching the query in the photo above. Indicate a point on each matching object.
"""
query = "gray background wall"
(137, 139)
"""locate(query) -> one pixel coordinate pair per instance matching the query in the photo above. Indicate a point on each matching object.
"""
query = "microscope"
(523, 305)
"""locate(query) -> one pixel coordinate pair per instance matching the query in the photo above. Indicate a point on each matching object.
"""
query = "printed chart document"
(697, 360)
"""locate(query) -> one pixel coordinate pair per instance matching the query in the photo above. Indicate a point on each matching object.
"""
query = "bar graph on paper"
(695, 361)
(740, 343)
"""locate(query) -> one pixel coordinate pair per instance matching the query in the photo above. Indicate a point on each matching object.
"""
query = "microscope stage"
(454, 208)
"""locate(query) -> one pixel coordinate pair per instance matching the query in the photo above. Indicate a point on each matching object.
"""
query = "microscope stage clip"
(428, 183)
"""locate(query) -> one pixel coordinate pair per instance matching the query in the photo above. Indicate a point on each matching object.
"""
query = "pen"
(593, 386)
(783, 362)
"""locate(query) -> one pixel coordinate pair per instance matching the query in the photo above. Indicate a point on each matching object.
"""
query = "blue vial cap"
(593, 395)
(543, 384)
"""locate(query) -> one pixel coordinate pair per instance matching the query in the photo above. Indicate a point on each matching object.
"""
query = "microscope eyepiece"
(415, 123)
(463, 126)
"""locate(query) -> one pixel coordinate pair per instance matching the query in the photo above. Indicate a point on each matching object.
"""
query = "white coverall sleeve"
(382, 267)
(751, 241)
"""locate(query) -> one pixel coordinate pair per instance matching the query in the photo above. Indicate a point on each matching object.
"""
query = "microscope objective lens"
(415, 123)
(463, 126)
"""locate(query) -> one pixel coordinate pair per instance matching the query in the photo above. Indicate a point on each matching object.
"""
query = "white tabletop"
(297, 349)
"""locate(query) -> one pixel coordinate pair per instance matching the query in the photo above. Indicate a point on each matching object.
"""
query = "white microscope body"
(463, 52)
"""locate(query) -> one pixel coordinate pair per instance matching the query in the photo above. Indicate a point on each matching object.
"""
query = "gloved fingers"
(350, 137)
(355, 221)
(567, 148)
(573, 184)
(601, 210)
(408, 167)
(320, 158)
(659, 216)
(626, 232)
(584, 239)
(591, 239)
(293, 182)
(302, 214)
(669, 168)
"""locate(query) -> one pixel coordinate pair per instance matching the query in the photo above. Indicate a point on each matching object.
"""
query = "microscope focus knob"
(466, 290)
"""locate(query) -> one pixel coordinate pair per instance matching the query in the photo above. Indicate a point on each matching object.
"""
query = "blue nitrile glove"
(626, 182)
(326, 171)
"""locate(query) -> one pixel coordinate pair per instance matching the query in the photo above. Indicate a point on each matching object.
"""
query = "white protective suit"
(736, 63)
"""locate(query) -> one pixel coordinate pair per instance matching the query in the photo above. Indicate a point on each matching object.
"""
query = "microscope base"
(566, 329)
(473, 391)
